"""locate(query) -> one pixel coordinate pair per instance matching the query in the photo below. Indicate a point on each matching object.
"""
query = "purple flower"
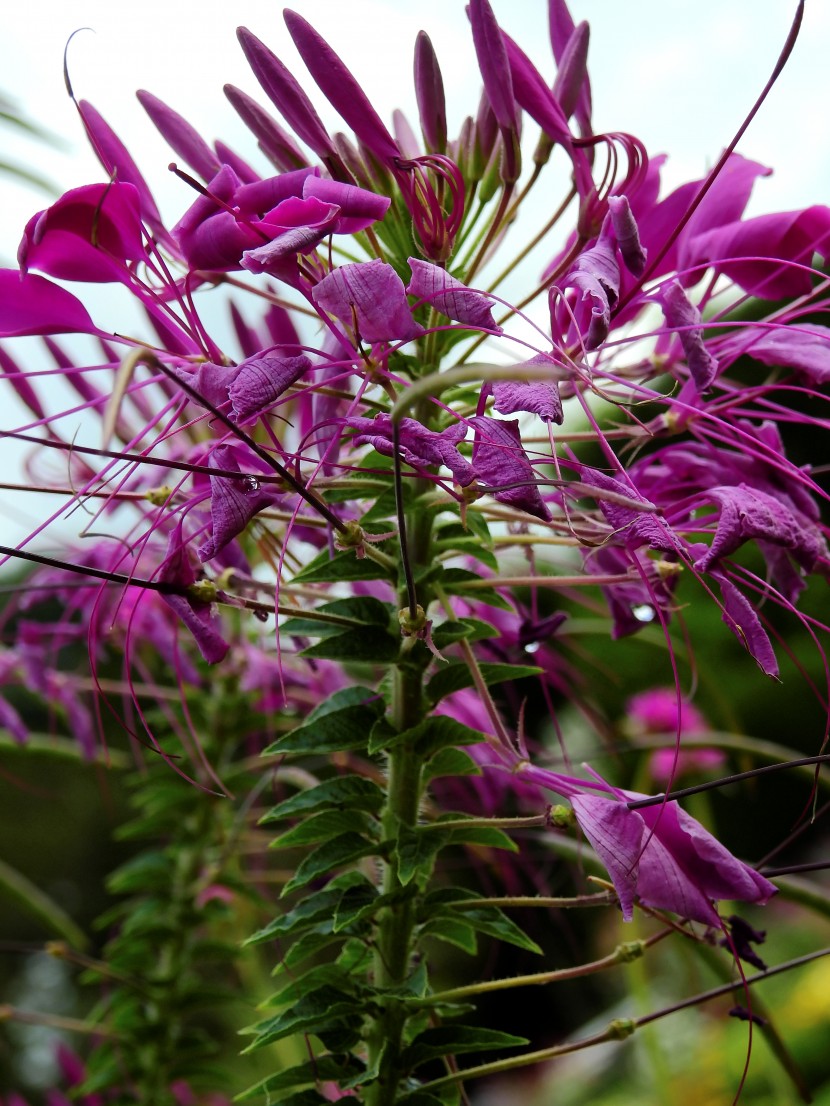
(31, 304)
(196, 614)
(369, 299)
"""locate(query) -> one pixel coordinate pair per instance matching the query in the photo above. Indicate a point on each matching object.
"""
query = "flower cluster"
(355, 468)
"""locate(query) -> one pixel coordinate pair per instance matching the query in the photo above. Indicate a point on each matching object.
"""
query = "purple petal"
(340, 88)
(491, 53)
(118, 163)
(17, 378)
(180, 136)
(233, 502)
(89, 234)
(742, 619)
(499, 459)
(196, 615)
(572, 74)
(359, 208)
(429, 92)
(801, 346)
(635, 527)
(286, 95)
(261, 196)
(277, 145)
(418, 445)
(211, 237)
(596, 276)
(32, 304)
(537, 397)
(261, 380)
(627, 234)
(682, 315)
(747, 513)
(451, 297)
(370, 295)
(616, 834)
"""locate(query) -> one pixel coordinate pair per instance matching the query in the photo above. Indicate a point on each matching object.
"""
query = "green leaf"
(469, 546)
(473, 629)
(356, 902)
(493, 922)
(485, 836)
(322, 975)
(455, 677)
(310, 943)
(455, 1040)
(450, 762)
(342, 792)
(453, 580)
(364, 610)
(365, 645)
(322, 1009)
(340, 850)
(327, 824)
(435, 733)
(345, 565)
(452, 932)
(342, 722)
(416, 849)
(317, 907)
(335, 1068)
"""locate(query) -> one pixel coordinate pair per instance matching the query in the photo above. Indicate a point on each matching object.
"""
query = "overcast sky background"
(680, 75)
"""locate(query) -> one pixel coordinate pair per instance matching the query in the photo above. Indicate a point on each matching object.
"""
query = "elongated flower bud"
(429, 92)
(275, 143)
(180, 136)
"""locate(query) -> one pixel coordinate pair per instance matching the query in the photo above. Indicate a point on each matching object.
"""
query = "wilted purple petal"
(742, 619)
(233, 502)
(369, 295)
(429, 92)
(451, 297)
(682, 315)
(627, 235)
(499, 460)
(537, 397)
(801, 346)
(197, 615)
(339, 87)
(180, 136)
(596, 276)
(31, 304)
(418, 445)
(747, 513)
(261, 380)
(635, 527)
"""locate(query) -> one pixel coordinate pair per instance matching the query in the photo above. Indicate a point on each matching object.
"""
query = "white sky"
(679, 74)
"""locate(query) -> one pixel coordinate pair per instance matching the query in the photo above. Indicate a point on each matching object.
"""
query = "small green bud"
(562, 817)
(205, 591)
(620, 1028)
(630, 951)
(411, 626)
(159, 496)
(350, 537)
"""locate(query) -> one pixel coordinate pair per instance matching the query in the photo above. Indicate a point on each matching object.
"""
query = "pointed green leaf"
(454, 579)
(345, 565)
(322, 827)
(336, 1068)
(340, 850)
(452, 932)
(356, 902)
(365, 645)
(336, 724)
(416, 849)
(317, 907)
(341, 792)
(455, 677)
(450, 762)
(456, 1040)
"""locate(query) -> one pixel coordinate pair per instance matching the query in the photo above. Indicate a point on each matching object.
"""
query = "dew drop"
(644, 613)
(533, 647)
(260, 614)
(250, 484)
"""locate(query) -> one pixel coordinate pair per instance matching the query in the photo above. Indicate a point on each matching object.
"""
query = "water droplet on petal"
(644, 613)
(250, 484)
(533, 646)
